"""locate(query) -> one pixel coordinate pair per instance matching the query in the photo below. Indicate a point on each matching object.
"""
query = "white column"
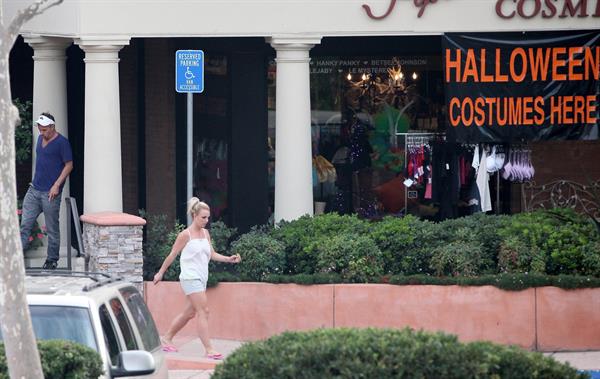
(50, 95)
(293, 156)
(102, 175)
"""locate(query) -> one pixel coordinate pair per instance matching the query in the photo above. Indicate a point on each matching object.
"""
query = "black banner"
(512, 87)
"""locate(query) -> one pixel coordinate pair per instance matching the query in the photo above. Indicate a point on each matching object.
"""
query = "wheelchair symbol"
(189, 74)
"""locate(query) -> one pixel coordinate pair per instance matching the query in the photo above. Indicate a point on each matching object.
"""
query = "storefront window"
(211, 122)
(382, 144)
(362, 110)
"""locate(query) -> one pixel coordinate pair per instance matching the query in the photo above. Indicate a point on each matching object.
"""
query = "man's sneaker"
(49, 265)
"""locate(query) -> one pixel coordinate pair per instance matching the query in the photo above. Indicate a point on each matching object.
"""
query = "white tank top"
(194, 259)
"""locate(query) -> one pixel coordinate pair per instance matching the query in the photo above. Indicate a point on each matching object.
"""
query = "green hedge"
(63, 360)
(160, 236)
(262, 255)
(553, 241)
(405, 244)
(384, 353)
(355, 257)
(557, 242)
(301, 237)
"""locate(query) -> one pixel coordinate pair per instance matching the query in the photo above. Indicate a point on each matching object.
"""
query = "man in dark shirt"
(53, 164)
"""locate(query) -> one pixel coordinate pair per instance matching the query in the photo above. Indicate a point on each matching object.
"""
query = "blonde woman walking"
(196, 250)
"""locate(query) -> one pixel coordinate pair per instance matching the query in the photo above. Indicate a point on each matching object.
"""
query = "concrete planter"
(544, 319)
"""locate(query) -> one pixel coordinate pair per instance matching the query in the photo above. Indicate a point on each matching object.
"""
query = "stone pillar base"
(114, 244)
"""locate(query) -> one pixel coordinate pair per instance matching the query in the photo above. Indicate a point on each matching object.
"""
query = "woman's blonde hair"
(195, 206)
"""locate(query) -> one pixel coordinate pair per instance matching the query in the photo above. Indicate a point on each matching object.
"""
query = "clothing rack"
(418, 138)
(414, 139)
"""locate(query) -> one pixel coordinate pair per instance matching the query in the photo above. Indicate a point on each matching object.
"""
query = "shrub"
(463, 256)
(221, 236)
(483, 232)
(590, 264)
(160, 236)
(355, 257)
(23, 131)
(261, 255)
(516, 255)
(384, 353)
(402, 242)
(560, 234)
(298, 235)
(63, 360)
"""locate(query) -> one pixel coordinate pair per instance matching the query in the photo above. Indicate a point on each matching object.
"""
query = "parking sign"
(189, 71)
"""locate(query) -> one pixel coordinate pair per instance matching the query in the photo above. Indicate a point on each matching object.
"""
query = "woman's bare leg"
(179, 322)
(200, 304)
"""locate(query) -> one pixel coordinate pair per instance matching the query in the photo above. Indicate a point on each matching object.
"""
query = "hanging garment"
(476, 159)
(490, 161)
(428, 190)
(483, 184)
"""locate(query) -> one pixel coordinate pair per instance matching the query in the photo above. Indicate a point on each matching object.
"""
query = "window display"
(378, 127)
(211, 146)
(362, 109)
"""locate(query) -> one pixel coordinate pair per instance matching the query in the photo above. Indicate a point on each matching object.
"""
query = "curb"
(184, 364)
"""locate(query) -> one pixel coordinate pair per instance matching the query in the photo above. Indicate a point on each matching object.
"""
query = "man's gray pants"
(34, 203)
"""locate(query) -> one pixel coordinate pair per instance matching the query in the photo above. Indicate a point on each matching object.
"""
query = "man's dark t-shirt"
(50, 161)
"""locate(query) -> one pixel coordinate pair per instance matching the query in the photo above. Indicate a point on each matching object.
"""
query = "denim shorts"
(190, 286)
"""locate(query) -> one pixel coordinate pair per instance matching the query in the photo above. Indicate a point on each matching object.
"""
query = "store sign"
(508, 9)
(547, 8)
(421, 4)
(370, 65)
(507, 87)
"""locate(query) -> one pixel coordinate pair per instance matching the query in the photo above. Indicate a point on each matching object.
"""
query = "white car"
(99, 311)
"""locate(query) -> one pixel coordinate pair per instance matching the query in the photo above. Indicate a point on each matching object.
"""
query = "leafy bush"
(590, 263)
(517, 256)
(355, 257)
(462, 256)
(482, 233)
(221, 236)
(63, 360)
(298, 235)
(402, 243)
(350, 249)
(384, 353)
(261, 255)
(160, 236)
(560, 234)
(23, 131)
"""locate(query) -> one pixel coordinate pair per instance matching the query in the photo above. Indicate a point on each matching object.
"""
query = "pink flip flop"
(216, 356)
(169, 348)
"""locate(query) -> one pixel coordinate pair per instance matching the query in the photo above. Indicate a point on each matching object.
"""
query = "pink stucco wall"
(568, 320)
(545, 319)
(472, 313)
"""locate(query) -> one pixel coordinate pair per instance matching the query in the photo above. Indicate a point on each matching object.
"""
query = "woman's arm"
(220, 257)
(224, 258)
(178, 245)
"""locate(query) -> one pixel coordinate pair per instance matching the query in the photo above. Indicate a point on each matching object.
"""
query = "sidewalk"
(189, 361)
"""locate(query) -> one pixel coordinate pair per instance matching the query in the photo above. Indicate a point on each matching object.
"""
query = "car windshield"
(62, 322)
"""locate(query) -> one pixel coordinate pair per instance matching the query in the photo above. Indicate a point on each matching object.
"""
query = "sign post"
(189, 78)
